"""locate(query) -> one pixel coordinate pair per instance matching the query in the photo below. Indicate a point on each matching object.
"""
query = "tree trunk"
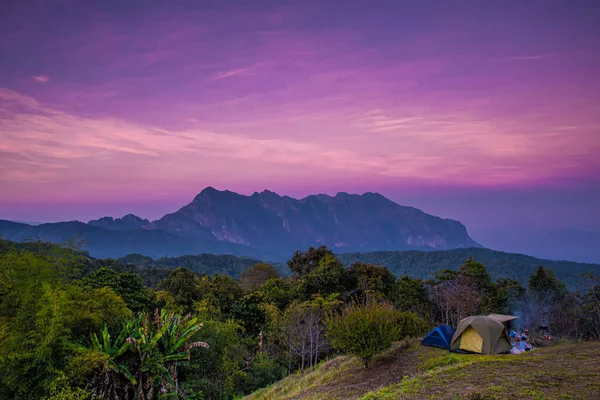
(317, 348)
(290, 357)
(310, 352)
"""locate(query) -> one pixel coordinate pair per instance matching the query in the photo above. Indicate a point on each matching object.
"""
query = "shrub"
(411, 325)
(265, 371)
(364, 331)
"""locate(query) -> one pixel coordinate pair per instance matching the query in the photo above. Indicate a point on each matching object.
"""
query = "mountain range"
(263, 225)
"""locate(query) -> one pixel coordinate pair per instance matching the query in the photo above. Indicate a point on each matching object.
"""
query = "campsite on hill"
(411, 371)
(75, 327)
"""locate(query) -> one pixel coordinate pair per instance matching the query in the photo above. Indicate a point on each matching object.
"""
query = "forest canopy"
(75, 327)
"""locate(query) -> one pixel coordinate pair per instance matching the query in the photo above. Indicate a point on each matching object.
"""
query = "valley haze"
(271, 226)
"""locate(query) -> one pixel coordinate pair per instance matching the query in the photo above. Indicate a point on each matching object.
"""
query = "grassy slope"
(566, 371)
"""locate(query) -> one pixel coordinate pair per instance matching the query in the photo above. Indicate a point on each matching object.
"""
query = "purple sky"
(483, 111)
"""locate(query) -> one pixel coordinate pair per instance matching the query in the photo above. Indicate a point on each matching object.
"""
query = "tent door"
(470, 340)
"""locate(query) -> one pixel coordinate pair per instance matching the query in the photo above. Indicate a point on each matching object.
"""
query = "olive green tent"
(502, 318)
(482, 335)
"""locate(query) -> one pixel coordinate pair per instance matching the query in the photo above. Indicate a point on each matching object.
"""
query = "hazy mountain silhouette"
(263, 225)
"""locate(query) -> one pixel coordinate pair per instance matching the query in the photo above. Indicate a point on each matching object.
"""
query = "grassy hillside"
(412, 371)
(423, 264)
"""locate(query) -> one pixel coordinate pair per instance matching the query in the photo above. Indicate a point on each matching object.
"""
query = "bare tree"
(455, 299)
(302, 331)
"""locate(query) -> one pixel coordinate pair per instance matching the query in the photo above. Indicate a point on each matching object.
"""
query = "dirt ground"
(391, 367)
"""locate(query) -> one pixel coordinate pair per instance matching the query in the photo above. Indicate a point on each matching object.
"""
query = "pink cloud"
(347, 144)
(231, 73)
(41, 78)
(534, 57)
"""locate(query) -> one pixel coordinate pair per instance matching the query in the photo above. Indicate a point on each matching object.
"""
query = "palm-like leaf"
(176, 357)
(161, 341)
(123, 369)
(106, 340)
(107, 378)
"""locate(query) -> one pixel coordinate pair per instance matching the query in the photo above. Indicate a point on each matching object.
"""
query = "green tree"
(303, 262)
(250, 313)
(547, 300)
(477, 272)
(327, 277)
(372, 280)
(129, 286)
(545, 285)
(410, 294)
(265, 370)
(257, 275)
(214, 372)
(492, 296)
(184, 287)
(40, 316)
(364, 330)
(411, 325)
(90, 309)
(508, 294)
(590, 307)
(278, 292)
(225, 290)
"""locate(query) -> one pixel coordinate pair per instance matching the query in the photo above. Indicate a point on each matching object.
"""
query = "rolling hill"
(420, 264)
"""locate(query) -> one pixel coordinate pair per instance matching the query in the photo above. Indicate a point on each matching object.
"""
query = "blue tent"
(440, 336)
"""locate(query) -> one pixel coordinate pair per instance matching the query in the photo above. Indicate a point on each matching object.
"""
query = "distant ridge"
(264, 225)
(500, 264)
(128, 222)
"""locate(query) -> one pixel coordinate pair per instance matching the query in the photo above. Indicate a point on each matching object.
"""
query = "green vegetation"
(367, 330)
(425, 264)
(75, 327)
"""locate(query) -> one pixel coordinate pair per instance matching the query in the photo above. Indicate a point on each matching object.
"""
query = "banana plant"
(107, 382)
(160, 346)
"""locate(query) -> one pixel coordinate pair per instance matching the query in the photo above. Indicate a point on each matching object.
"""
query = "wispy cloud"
(41, 78)
(534, 57)
(417, 144)
(232, 73)
(66, 139)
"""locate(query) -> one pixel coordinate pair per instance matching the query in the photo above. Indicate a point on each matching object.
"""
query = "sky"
(483, 111)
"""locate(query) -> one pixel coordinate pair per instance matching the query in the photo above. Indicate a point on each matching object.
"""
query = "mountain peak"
(271, 222)
(265, 192)
(127, 222)
(209, 190)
